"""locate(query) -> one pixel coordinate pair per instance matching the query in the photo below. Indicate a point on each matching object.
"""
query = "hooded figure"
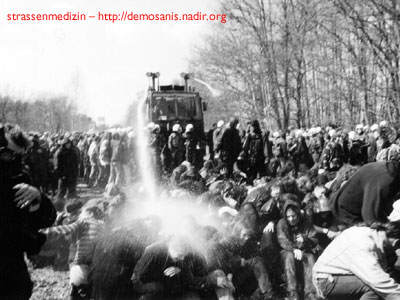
(296, 236)
(368, 195)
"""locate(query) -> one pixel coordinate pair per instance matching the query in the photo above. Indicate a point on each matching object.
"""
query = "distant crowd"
(273, 199)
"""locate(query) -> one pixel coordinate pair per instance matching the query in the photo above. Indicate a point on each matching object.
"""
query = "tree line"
(305, 62)
(53, 114)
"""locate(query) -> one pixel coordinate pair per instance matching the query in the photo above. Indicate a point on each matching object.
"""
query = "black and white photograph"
(200, 150)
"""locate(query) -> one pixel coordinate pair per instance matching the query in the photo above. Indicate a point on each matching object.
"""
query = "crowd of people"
(289, 211)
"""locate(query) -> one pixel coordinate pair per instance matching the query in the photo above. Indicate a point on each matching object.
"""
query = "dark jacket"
(368, 195)
(253, 149)
(66, 162)
(19, 234)
(230, 145)
(38, 160)
(155, 259)
(287, 233)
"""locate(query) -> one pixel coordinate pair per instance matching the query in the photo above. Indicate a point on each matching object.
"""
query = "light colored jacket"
(93, 152)
(359, 251)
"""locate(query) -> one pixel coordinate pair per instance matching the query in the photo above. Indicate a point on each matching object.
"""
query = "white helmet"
(151, 126)
(189, 127)
(383, 123)
(176, 127)
(374, 127)
(359, 127)
(220, 123)
(352, 135)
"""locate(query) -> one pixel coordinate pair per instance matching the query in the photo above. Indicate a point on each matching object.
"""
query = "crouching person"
(355, 265)
(171, 270)
(296, 236)
(85, 231)
(239, 255)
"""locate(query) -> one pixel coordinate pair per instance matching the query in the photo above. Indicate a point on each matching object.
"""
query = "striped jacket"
(86, 231)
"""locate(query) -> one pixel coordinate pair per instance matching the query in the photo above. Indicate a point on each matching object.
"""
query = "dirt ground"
(49, 284)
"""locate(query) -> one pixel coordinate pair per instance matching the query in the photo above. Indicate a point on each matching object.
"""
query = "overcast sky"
(100, 63)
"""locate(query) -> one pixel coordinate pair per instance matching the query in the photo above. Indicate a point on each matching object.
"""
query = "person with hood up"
(296, 236)
(368, 195)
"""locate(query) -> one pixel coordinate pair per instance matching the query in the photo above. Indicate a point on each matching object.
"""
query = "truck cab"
(177, 104)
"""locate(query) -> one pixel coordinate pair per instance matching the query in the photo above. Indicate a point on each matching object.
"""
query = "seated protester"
(325, 224)
(225, 191)
(234, 195)
(270, 214)
(191, 181)
(209, 239)
(115, 256)
(313, 175)
(177, 173)
(216, 186)
(249, 216)
(238, 175)
(289, 186)
(206, 171)
(227, 217)
(171, 270)
(239, 255)
(296, 236)
(56, 249)
(304, 185)
(212, 200)
(258, 195)
(354, 265)
(86, 229)
(218, 174)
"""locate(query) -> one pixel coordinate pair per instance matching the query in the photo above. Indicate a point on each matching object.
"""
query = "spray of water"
(178, 210)
(144, 161)
(213, 91)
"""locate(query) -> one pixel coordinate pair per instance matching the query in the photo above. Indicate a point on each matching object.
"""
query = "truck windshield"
(168, 107)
